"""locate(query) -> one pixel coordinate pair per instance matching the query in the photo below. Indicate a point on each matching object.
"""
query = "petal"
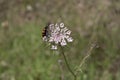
(56, 25)
(63, 42)
(68, 32)
(70, 39)
(51, 39)
(61, 25)
(54, 47)
(51, 27)
(66, 36)
(65, 29)
(57, 29)
(45, 38)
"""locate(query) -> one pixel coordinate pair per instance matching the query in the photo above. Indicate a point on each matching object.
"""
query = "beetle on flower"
(58, 34)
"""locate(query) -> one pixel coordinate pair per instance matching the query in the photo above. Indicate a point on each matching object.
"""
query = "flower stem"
(75, 77)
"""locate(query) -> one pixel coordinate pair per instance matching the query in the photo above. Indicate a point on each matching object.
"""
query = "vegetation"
(24, 56)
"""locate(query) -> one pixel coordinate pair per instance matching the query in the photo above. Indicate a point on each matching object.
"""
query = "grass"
(24, 56)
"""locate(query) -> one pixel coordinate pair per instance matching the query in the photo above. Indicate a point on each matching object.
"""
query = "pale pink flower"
(59, 35)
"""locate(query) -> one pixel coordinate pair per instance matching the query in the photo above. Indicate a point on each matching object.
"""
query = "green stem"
(75, 77)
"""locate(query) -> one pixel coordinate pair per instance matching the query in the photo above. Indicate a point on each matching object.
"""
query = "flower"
(53, 47)
(58, 35)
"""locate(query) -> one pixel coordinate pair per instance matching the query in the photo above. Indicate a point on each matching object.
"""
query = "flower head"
(58, 35)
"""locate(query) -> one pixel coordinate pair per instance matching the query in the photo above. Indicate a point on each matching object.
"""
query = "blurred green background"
(24, 56)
